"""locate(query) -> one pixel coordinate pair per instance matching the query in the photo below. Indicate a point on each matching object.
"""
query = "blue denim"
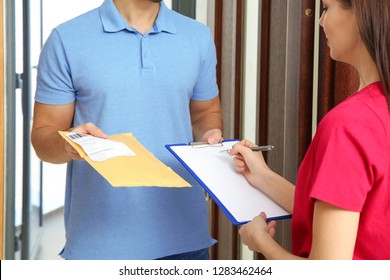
(202, 254)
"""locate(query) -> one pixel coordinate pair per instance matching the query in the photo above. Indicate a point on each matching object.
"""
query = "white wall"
(250, 71)
(201, 11)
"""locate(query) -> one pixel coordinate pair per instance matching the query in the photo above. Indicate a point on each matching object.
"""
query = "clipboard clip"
(197, 145)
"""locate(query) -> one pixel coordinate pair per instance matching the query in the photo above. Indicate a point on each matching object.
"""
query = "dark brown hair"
(373, 17)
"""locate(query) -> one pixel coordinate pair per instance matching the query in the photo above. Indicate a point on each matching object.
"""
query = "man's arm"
(206, 119)
(47, 142)
(48, 120)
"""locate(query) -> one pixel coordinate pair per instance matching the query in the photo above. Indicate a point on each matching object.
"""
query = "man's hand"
(87, 128)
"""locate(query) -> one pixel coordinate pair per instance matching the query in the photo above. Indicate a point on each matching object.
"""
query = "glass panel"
(28, 168)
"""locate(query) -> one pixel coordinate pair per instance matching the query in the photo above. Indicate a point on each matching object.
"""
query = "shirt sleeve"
(54, 81)
(206, 86)
(349, 158)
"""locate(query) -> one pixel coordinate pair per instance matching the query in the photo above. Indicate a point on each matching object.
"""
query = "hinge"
(19, 80)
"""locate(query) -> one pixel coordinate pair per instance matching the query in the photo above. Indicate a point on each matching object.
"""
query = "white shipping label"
(99, 149)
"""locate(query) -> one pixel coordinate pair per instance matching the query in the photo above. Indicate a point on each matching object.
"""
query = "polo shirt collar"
(113, 21)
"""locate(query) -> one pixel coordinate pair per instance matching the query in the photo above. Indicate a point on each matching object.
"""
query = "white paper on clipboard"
(214, 170)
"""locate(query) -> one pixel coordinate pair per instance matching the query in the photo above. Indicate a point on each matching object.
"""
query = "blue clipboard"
(213, 168)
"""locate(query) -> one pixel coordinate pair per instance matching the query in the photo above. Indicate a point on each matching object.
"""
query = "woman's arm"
(334, 232)
(256, 171)
(334, 235)
(258, 236)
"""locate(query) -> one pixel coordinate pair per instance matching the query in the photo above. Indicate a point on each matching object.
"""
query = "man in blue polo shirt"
(129, 66)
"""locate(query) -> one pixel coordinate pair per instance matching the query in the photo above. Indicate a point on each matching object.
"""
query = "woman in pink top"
(341, 201)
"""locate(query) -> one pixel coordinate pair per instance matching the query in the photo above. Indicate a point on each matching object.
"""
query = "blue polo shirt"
(124, 81)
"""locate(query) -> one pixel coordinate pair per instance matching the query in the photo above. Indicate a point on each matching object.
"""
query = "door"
(22, 171)
(1, 129)
(27, 172)
(34, 188)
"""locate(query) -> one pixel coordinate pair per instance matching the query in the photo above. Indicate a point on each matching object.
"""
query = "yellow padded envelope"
(143, 169)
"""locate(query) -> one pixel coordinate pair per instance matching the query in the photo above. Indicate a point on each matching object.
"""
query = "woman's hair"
(373, 17)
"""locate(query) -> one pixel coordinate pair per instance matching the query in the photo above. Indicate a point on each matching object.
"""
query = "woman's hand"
(251, 164)
(257, 233)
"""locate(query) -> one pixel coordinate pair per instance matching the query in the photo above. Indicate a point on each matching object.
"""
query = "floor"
(53, 237)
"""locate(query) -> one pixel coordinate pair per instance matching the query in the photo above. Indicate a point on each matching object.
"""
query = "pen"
(262, 148)
(256, 148)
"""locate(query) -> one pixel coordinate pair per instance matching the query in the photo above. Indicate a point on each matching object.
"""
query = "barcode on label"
(75, 136)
